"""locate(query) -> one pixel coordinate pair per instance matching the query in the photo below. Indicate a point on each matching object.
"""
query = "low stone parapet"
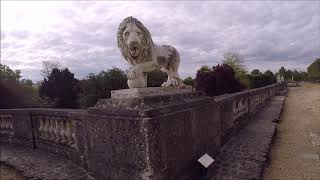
(146, 136)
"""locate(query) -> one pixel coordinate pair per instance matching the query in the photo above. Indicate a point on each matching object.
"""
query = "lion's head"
(134, 41)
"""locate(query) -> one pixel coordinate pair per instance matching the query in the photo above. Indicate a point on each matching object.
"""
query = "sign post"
(205, 160)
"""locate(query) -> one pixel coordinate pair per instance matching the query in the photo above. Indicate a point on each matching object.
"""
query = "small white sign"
(205, 160)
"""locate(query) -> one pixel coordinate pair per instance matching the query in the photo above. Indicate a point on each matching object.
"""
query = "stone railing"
(59, 130)
(243, 105)
(6, 124)
(240, 107)
(158, 137)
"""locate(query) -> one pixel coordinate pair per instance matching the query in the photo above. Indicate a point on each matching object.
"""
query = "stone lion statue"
(138, 49)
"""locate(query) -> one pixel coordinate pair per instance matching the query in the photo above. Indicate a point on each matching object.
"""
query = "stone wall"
(140, 138)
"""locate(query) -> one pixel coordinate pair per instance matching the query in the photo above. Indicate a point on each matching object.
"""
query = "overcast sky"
(81, 35)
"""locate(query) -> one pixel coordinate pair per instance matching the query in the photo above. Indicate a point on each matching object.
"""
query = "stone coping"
(149, 91)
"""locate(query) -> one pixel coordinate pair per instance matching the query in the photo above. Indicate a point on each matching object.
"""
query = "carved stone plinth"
(150, 91)
(158, 132)
(142, 101)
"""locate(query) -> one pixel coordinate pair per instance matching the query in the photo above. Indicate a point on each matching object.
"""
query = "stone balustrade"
(6, 124)
(55, 130)
(236, 108)
(156, 140)
(59, 130)
(255, 101)
(240, 107)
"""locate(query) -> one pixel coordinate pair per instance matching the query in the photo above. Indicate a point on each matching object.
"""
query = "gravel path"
(296, 149)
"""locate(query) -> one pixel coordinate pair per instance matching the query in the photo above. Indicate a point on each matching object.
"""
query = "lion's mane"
(146, 43)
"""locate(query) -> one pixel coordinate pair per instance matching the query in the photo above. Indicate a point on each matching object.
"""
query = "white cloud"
(82, 34)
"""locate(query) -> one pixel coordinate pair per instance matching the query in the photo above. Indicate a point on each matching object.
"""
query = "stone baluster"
(6, 123)
(52, 129)
(46, 128)
(62, 132)
(73, 132)
(11, 123)
(234, 109)
(2, 124)
(41, 126)
(244, 105)
(57, 130)
(240, 109)
(68, 132)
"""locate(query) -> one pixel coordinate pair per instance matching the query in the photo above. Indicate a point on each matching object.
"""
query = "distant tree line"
(60, 89)
(217, 80)
(16, 92)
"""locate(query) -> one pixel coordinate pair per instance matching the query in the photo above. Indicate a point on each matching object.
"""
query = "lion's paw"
(171, 82)
(165, 84)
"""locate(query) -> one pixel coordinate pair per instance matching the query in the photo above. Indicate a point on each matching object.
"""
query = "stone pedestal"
(153, 133)
(149, 91)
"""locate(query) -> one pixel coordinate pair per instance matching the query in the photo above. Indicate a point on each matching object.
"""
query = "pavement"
(38, 164)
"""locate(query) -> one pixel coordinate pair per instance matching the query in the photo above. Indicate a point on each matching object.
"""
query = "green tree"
(205, 68)
(282, 71)
(218, 80)
(288, 75)
(6, 73)
(26, 82)
(61, 87)
(99, 86)
(304, 76)
(236, 62)
(188, 81)
(314, 70)
(256, 72)
(272, 77)
(16, 93)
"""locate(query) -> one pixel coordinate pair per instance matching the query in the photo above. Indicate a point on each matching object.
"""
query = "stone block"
(152, 135)
(150, 91)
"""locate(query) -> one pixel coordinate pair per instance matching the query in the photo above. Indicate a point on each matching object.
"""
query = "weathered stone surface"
(245, 155)
(38, 164)
(138, 49)
(8, 172)
(158, 137)
(151, 137)
(150, 91)
(146, 106)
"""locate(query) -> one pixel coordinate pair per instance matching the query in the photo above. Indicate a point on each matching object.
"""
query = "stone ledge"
(140, 106)
(149, 91)
(245, 155)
